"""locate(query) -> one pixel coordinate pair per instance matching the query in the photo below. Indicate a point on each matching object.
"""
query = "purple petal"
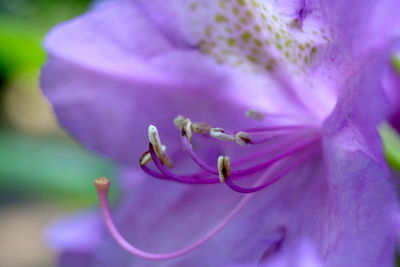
(303, 254)
(79, 232)
(342, 202)
(97, 72)
(364, 204)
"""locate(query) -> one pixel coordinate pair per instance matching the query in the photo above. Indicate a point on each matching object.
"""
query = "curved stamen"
(197, 178)
(102, 186)
(189, 150)
(270, 129)
(258, 141)
(180, 179)
(277, 177)
(268, 163)
(192, 179)
(238, 173)
(271, 149)
(202, 175)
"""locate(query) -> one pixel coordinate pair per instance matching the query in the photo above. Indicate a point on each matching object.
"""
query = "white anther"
(187, 129)
(158, 147)
(256, 115)
(224, 168)
(219, 133)
(181, 122)
(178, 121)
(201, 128)
(145, 158)
(154, 139)
(242, 138)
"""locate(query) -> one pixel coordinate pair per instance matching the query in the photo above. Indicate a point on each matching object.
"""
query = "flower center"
(287, 153)
(291, 144)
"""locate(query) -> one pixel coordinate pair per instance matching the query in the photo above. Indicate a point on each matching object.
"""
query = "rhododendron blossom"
(246, 130)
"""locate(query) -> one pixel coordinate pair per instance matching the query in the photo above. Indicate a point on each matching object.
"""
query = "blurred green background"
(43, 173)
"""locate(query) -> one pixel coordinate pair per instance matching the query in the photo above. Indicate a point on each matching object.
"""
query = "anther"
(224, 168)
(154, 139)
(159, 149)
(145, 158)
(256, 115)
(187, 129)
(201, 128)
(242, 138)
(198, 127)
(178, 121)
(219, 133)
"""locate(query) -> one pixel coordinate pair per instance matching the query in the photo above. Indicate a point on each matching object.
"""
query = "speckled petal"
(107, 82)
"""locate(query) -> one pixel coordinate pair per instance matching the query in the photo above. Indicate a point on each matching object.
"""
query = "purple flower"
(303, 179)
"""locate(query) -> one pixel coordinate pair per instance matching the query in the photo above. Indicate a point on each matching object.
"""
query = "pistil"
(102, 185)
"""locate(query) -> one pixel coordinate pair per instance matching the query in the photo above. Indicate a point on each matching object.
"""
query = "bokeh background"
(44, 174)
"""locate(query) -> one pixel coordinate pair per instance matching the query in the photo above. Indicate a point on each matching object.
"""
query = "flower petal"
(78, 232)
(343, 202)
(362, 215)
(162, 216)
(107, 86)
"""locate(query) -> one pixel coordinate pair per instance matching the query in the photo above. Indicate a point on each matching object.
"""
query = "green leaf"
(23, 26)
(391, 143)
(49, 168)
(396, 63)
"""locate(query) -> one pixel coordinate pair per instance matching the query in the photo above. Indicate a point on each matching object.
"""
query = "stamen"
(243, 138)
(224, 168)
(250, 170)
(211, 174)
(197, 127)
(276, 177)
(201, 128)
(277, 158)
(191, 179)
(220, 134)
(154, 139)
(197, 179)
(256, 115)
(102, 186)
(276, 128)
(202, 164)
(187, 129)
(145, 158)
(178, 121)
